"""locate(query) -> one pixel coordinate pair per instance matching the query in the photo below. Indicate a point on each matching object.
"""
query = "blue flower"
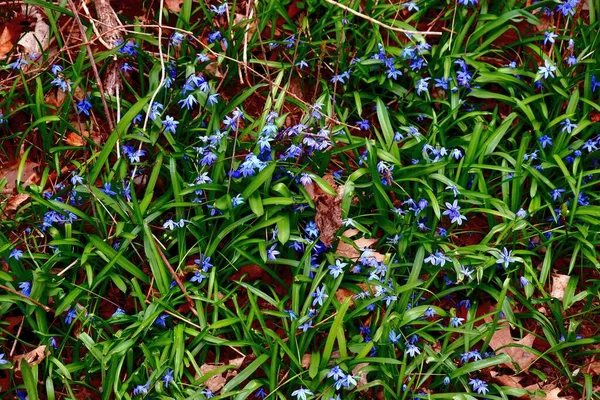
(188, 102)
(84, 106)
(170, 124)
(568, 126)
(118, 312)
(272, 253)
(56, 69)
(213, 99)
(126, 67)
(364, 125)
(71, 315)
(337, 269)
(412, 350)
(176, 39)
(422, 86)
(547, 70)
(557, 194)
(545, 141)
(523, 281)
(319, 296)
(2, 360)
(393, 337)
(141, 389)
(18, 64)
(455, 322)
(504, 258)
(549, 37)
(453, 212)
(209, 394)
(16, 254)
(336, 373)
(220, 10)
(301, 393)
(467, 2)
(60, 83)
(168, 377)
(25, 288)
(198, 277)
(161, 320)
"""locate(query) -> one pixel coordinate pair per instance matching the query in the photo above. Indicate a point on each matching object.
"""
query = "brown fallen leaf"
(6, 43)
(33, 357)
(551, 394)
(503, 342)
(216, 382)
(15, 201)
(559, 285)
(11, 170)
(347, 250)
(173, 5)
(329, 209)
(356, 371)
(73, 139)
(55, 98)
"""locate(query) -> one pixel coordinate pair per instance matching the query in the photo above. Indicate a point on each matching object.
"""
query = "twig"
(393, 28)
(37, 303)
(179, 283)
(93, 65)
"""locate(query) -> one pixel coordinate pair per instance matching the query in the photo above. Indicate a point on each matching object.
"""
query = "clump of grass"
(300, 204)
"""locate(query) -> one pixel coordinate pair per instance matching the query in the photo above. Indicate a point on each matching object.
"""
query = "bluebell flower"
(412, 350)
(523, 281)
(272, 253)
(545, 141)
(60, 83)
(422, 86)
(126, 67)
(207, 393)
(71, 315)
(221, 9)
(301, 64)
(25, 288)
(568, 126)
(441, 83)
(301, 393)
(364, 125)
(16, 254)
(521, 213)
(56, 69)
(213, 99)
(549, 37)
(18, 64)
(141, 389)
(176, 38)
(319, 296)
(567, 7)
(455, 322)
(161, 320)
(106, 189)
(411, 6)
(557, 194)
(214, 36)
(453, 212)
(118, 312)
(168, 377)
(504, 258)
(2, 360)
(479, 386)
(547, 70)
(467, 2)
(170, 124)
(571, 60)
(337, 269)
(189, 102)
(84, 106)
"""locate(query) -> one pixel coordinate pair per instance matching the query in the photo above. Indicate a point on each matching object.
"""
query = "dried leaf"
(34, 357)
(503, 342)
(55, 98)
(11, 170)
(306, 359)
(36, 41)
(174, 5)
(559, 285)
(15, 201)
(551, 394)
(329, 209)
(6, 43)
(73, 139)
(347, 250)
(216, 382)
(356, 371)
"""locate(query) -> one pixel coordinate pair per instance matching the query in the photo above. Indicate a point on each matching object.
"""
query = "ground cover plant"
(285, 199)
